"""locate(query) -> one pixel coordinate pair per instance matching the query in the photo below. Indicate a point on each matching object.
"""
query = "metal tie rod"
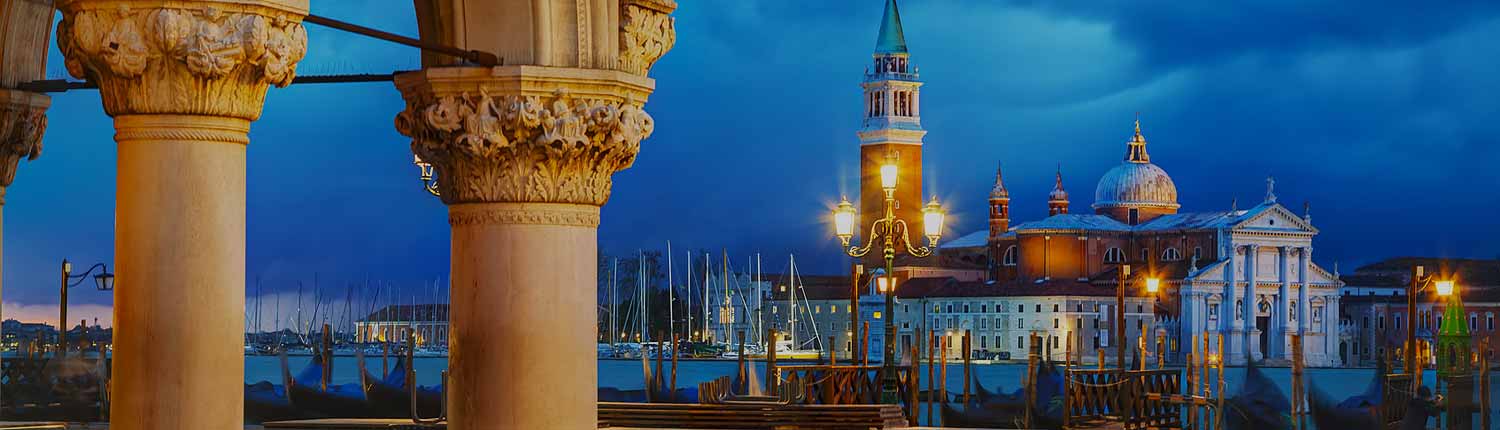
(64, 85)
(473, 56)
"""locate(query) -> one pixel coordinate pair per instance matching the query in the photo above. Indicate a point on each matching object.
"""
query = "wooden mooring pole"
(914, 384)
(773, 374)
(931, 366)
(1484, 384)
(672, 391)
(943, 371)
(968, 343)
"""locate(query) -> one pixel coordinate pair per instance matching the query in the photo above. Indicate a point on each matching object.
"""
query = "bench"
(750, 416)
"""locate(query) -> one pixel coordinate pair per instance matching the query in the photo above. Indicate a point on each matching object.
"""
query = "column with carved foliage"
(23, 119)
(182, 80)
(524, 157)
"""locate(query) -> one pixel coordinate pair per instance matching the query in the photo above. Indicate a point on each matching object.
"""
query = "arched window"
(1114, 256)
(1010, 256)
(1170, 254)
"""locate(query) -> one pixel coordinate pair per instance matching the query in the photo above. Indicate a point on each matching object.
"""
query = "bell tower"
(892, 128)
(999, 208)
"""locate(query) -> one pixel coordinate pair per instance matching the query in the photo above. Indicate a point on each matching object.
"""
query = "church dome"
(1136, 183)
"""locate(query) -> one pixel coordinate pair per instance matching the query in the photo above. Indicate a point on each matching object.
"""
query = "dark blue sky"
(1382, 114)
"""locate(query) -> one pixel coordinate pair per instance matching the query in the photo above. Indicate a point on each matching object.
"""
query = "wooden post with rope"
(943, 372)
(1219, 413)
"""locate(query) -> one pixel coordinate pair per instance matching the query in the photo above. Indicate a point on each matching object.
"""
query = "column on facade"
(1304, 281)
(1229, 317)
(1281, 323)
(183, 81)
(1252, 332)
(1331, 328)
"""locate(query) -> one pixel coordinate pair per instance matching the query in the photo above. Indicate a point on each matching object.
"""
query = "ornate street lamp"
(104, 281)
(1420, 280)
(887, 231)
(428, 182)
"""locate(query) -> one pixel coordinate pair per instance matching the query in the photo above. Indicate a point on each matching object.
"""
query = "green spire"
(891, 40)
(1453, 341)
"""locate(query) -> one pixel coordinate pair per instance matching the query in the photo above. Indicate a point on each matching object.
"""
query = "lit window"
(877, 314)
(1114, 256)
(1170, 254)
(1010, 256)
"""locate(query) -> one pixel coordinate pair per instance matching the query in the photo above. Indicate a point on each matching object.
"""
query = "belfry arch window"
(1114, 256)
(1171, 254)
(1010, 256)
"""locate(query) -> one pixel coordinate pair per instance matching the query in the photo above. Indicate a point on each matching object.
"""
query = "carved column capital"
(198, 58)
(524, 134)
(647, 32)
(23, 120)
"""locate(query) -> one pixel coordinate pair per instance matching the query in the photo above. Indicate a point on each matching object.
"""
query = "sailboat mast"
(760, 298)
(727, 312)
(792, 325)
(689, 289)
(671, 299)
(705, 294)
(613, 270)
(640, 282)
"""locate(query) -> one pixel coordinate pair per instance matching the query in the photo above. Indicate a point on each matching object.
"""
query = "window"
(1020, 323)
(984, 342)
(818, 309)
(950, 309)
(1010, 256)
(1139, 309)
(1054, 323)
(966, 308)
(1080, 307)
(1213, 310)
(1080, 323)
(1489, 322)
(984, 323)
(937, 323)
(1473, 322)
(1114, 256)
(1135, 216)
(936, 309)
(1171, 254)
(1021, 308)
(1145, 254)
(1380, 322)
(1198, 252)
(1398, 321)
(984, 309)
(1096, 307)
(1020, 342)
(1054, 308)
(1038, 307)
(1096, 323)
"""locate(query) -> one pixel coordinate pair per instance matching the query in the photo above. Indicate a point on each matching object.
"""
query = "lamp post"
(1419, 281)
(886, 231)
(104, 281)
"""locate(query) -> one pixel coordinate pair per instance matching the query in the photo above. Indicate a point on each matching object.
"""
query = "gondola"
(307, 392)
(992, 410)
(1259, 404)
(389, 397)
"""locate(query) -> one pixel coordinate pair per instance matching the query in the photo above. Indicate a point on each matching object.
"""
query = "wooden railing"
(842, 385)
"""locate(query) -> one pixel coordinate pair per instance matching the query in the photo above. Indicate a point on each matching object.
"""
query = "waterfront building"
(997, 319)
(427, 323)
(1376, 321)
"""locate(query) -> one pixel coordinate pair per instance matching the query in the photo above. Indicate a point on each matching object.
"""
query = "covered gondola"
(1259, 404)
(310, 391)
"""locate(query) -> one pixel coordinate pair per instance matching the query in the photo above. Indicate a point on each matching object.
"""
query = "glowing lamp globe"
(843, 219)
(1153, 285)
(1445, 288)
(932, 219)
(888, 176)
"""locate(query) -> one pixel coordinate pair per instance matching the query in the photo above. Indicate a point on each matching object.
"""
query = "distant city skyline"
(1384, 122)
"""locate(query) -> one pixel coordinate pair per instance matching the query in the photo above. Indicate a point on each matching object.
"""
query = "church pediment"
(1274, 217)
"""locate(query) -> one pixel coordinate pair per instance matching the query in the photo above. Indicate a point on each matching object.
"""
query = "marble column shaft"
(523, 157)
(183, 81)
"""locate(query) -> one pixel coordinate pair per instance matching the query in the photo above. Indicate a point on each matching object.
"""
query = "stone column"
(1304, 281)
(523, 157)
(1281, 323)
(1252, 333)
(22, 122)
(183, 81)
